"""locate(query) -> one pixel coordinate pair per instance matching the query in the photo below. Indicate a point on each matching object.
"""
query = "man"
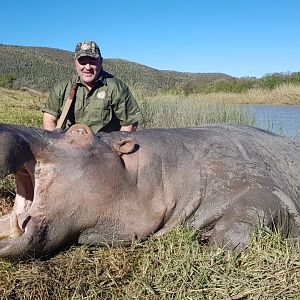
(101, 101)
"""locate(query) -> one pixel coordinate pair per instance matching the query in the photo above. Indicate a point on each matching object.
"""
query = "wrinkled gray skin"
(81, 188)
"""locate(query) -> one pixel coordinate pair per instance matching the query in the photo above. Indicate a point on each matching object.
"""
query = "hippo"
(76, 187)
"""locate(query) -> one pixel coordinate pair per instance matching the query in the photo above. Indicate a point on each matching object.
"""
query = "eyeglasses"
(85, 60)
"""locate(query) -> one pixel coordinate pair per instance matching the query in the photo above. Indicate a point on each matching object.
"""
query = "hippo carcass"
(77, 187)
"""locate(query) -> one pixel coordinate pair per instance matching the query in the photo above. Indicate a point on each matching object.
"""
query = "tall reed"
(180, 111)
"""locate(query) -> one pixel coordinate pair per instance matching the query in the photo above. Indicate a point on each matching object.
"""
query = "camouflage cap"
(87, 48)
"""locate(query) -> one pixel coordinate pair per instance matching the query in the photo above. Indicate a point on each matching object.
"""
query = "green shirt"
(106, 107)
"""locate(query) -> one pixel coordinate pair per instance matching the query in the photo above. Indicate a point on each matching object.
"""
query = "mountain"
(41, 67)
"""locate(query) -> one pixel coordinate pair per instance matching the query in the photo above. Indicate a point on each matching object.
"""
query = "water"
(281, 119)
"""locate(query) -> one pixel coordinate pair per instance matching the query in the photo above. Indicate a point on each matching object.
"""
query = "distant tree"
(273, 80)
(295, 78)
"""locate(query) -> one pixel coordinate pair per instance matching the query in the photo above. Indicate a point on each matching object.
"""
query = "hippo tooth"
(10, 226)
(14, 226)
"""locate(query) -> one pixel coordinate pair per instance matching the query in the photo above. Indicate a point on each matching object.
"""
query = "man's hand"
(129, 128)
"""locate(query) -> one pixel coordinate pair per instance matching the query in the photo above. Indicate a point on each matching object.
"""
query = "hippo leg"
(105, 232)
(254, 208)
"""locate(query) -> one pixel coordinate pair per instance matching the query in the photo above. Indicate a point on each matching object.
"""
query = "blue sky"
(236, 37)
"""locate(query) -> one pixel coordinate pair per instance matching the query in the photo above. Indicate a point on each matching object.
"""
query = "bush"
(7, 80)
(272, 81)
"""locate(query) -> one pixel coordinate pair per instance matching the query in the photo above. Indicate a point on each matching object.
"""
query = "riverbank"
(284, 94)
(23, 106)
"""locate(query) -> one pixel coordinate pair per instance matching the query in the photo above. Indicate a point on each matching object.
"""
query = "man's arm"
(125, 107)
(49, 121)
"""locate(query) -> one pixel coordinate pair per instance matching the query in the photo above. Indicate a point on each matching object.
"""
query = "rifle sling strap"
(63, 117)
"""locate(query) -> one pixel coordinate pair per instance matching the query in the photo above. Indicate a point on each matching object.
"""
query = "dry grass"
(29, 99)
(284, 94)
(21, 107)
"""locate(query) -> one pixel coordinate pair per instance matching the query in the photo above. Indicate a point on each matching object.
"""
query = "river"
(281, 119)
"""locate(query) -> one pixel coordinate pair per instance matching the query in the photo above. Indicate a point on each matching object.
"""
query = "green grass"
(20, 107)
(177, 266)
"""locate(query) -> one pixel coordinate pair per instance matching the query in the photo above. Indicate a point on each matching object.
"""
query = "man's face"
(88, 68)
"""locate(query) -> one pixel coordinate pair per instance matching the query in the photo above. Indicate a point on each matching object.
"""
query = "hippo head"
(58, 183)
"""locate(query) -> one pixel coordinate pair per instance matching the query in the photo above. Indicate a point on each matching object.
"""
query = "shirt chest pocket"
(99, 111)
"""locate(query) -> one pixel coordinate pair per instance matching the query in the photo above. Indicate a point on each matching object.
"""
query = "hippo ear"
(125, 146)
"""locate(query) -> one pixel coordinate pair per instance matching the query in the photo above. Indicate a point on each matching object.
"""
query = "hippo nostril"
(77, 131)
(79, 136)
(82, 131)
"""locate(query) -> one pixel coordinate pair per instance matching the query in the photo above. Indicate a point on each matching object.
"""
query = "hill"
(41, 67)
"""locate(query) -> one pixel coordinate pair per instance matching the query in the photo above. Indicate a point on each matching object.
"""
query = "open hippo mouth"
(15, 223)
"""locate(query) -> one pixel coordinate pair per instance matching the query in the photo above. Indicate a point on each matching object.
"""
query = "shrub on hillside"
(7, 80)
